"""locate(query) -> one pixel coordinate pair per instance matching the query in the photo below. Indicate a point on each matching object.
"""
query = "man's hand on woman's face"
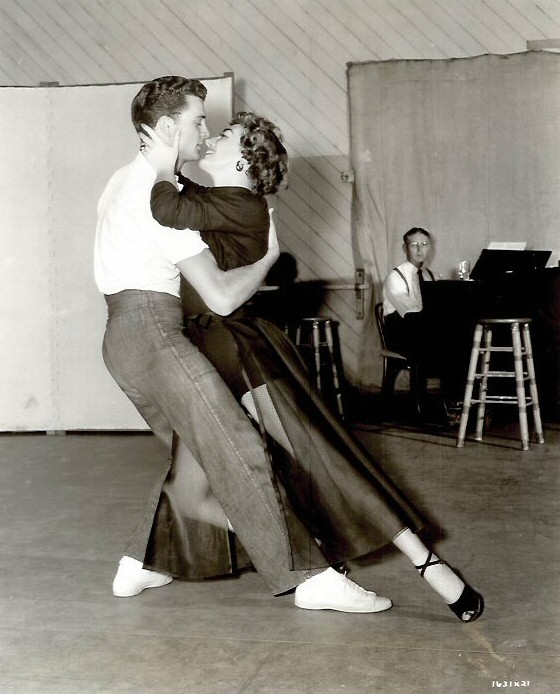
(161, 156)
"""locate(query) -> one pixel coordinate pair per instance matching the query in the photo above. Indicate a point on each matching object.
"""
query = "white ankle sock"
(439, 576)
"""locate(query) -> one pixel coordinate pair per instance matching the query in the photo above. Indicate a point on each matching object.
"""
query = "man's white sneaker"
(331, 590)
(132, 578)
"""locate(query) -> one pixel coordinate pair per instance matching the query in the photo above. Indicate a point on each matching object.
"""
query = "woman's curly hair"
(262, 148)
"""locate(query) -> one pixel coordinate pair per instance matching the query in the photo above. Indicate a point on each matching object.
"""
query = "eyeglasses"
(418, 244)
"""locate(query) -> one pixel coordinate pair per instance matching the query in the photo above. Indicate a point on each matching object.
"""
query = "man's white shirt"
(401, 292)
(133, 251)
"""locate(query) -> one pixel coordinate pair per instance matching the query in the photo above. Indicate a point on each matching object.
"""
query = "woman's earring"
(239, 166)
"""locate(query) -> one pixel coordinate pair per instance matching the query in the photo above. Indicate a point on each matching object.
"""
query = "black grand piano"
(504, 283)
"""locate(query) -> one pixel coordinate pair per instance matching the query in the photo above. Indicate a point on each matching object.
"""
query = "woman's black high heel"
(470, 604)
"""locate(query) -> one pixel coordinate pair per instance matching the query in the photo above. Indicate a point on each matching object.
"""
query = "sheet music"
(507, 245)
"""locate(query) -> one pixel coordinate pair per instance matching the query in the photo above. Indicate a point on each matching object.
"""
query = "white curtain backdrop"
(60, 145)
(466, 148)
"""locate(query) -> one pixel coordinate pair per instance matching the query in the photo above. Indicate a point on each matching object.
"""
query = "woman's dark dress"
(331, 489)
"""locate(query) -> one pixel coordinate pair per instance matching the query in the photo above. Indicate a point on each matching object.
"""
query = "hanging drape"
(466, 148)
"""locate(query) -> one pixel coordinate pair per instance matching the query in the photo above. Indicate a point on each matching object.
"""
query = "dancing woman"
(325, 479)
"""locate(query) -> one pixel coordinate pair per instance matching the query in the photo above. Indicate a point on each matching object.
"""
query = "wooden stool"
(524, 371)
(320, 347)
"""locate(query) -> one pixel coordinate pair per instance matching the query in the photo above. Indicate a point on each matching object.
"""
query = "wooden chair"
(393, 364)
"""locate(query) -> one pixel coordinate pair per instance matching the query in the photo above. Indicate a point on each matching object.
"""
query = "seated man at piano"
(410, 329)
(402, 296)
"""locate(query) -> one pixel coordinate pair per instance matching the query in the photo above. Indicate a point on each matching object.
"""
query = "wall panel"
(60, 147)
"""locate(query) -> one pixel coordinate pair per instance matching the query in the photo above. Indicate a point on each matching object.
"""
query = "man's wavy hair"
(415, 230)
(164, 96)
(262, 148)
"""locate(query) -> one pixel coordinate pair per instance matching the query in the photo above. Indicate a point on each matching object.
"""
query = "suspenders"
(396, 269)
(430, 273)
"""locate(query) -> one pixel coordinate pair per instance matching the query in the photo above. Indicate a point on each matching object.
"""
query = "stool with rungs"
(318, 342)
(523, 373)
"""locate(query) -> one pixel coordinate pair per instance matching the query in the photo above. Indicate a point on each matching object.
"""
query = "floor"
(68, 504)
